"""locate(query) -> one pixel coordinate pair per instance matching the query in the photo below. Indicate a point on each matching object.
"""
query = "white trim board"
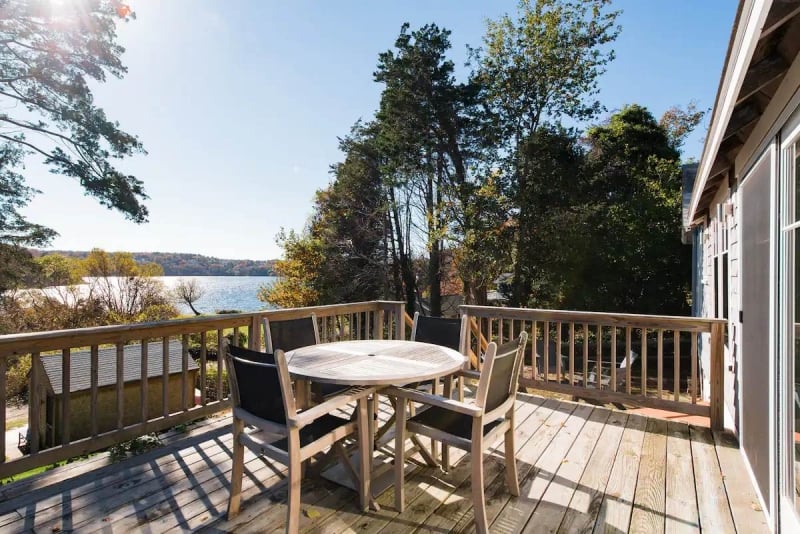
(734, 74)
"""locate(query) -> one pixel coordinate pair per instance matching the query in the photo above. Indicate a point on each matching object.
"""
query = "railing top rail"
(667, 322)
(97, 335)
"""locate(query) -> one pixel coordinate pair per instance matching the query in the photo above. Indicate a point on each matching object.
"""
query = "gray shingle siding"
(80, 366)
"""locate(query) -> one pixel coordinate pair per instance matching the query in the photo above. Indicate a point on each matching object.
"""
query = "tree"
(342, 255)
(551, 246)
(188, 291)
(49, 52)
(350, 222)
(543, 66)
(424, 136)
(16, 266)
(641, 267)
(127, 291)
(298, 278)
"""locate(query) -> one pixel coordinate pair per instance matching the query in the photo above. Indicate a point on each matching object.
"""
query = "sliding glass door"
(789, 353)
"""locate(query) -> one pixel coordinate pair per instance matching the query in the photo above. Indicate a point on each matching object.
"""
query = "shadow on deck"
(580, 468)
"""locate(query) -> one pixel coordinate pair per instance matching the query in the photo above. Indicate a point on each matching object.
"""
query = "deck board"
(649, 500)
(615, 510)
(742, 498)
(554, 503)
(680, 514)
(585, 504)
(580, 468)
(714, 510)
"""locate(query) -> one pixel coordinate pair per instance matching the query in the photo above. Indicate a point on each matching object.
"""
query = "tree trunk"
(406, 270)
(435, 279)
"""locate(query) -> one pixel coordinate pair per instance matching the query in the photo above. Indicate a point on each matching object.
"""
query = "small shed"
(50, 393)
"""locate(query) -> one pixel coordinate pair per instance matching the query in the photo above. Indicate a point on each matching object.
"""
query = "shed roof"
(81, 365)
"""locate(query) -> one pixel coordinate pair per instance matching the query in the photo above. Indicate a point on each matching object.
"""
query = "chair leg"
(238, 470)
(448, 392)
(511, 462)
(434, 443)
(365, 452)
(399, 454)
(478, 502)
(295, 478)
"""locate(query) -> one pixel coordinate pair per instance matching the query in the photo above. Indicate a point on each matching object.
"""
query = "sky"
(240, 104)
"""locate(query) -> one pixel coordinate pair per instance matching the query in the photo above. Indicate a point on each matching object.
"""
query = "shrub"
(210, 389)
(19, 369)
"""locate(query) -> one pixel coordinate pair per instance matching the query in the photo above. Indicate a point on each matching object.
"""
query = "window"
(720, 251)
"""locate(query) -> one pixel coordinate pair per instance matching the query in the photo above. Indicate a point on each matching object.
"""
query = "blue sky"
(239, 105)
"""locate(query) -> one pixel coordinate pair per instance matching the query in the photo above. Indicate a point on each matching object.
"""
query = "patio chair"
(469, 426)
(449, 333)
(442, 331)
(262, 398)
(290, 334)
(252, 355)
(439, 331)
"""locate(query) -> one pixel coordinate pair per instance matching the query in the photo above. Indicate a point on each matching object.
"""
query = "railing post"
(466, 334)
(254, 339)
(3, 397)
(400, 320)
(34, 403)
(377, 324)
(717, 373)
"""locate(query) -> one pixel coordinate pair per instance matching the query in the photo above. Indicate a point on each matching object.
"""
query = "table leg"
(302, 393)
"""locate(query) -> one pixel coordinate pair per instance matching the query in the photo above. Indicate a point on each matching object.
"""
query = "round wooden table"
(373, 362)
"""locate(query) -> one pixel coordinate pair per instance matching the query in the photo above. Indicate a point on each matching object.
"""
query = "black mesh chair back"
(257, 389)
(291, 334)
(251, 355)
(437, 330)
(504, 374)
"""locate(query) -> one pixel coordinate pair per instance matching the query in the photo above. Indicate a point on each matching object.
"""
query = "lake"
(224, 292)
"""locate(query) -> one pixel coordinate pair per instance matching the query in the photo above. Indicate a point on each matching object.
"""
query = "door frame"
(788, 511)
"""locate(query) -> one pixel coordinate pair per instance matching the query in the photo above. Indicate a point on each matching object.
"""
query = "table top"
(373, 362)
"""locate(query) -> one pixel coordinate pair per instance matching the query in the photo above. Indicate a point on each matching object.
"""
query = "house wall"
(751, 353)
(80, 406)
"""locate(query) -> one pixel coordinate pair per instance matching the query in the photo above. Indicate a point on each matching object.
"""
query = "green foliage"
(641, 267)
(58, 270)
(483, 172)
(134, 447)
(19, 367)
(551, 226)
(298, 272)
(50, 53)
(16, 264)
(540, 68)
(350, 225)
(428, 135)
(546, 64)
(210, 388)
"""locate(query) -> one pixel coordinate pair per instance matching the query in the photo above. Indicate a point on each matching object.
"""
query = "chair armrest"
(315, 412)
(435, 400)
(468, 373)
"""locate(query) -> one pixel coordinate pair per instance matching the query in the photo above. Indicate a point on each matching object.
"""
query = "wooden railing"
(644, 360)
(115, 408)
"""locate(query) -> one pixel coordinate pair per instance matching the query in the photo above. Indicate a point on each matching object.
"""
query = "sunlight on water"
(224, 292)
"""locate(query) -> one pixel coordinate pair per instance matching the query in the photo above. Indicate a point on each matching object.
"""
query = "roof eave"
(747, 26)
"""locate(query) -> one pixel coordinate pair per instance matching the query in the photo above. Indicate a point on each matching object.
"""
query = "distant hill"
(177, 264)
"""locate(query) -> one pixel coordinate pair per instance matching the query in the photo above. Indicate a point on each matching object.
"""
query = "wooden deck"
(581, 468)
